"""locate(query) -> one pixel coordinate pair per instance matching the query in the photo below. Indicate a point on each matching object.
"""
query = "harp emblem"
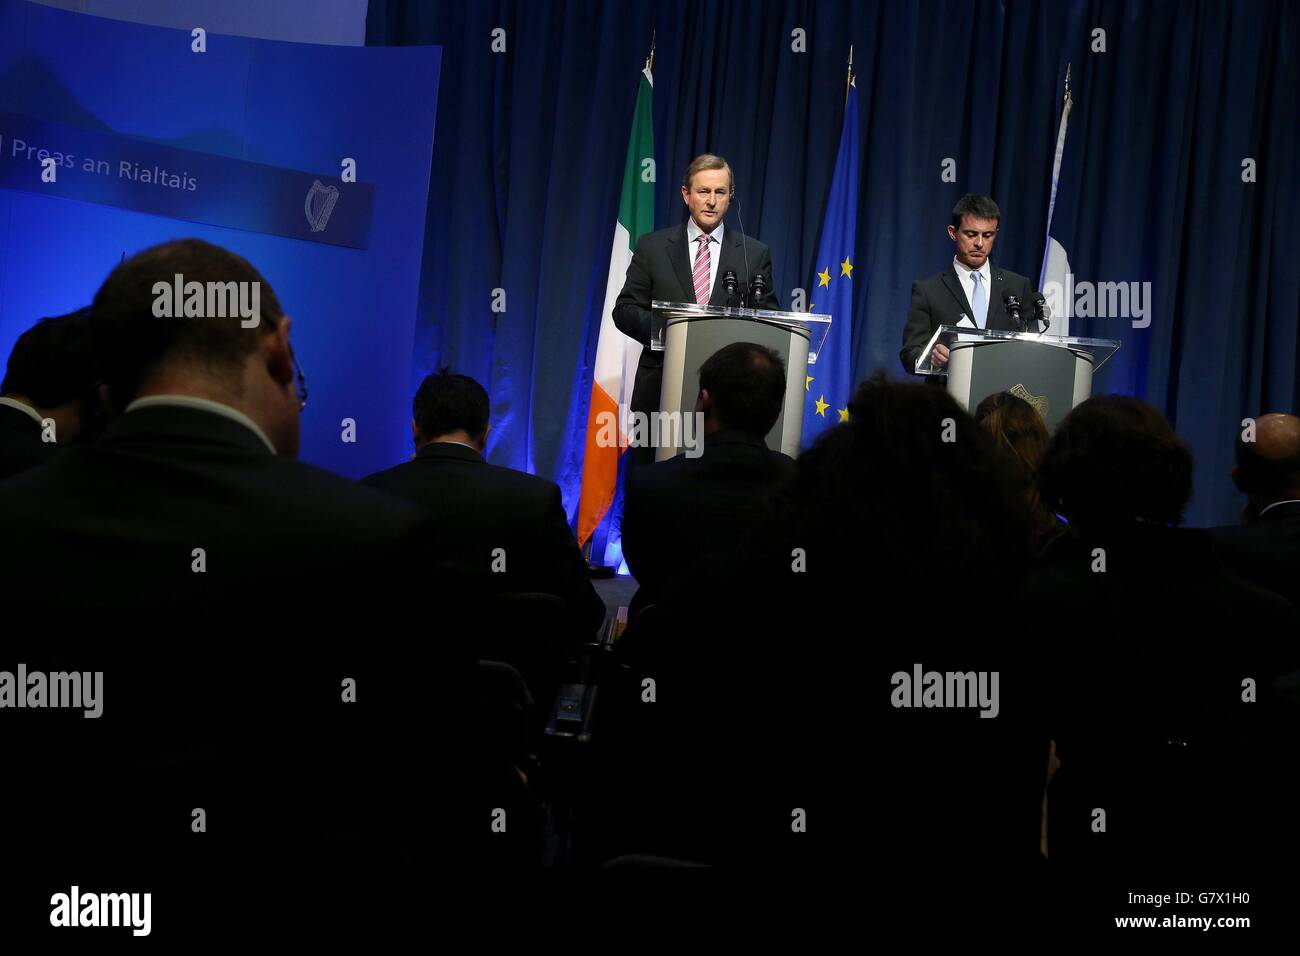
(319, 205)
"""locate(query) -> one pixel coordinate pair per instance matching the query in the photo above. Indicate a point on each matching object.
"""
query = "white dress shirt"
(693, 232)
(27, 410)
(203, 405)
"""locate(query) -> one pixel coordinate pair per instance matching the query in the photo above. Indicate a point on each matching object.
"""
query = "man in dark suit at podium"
(971, 286)
(688, 263)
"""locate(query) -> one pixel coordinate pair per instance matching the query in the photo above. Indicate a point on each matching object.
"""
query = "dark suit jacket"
(1147, 661)
(478, 507)
(661, 270)
(1266, 552)
(222, 688)
(115, 522)
(681, 509)
(20, 443)
(940, 300)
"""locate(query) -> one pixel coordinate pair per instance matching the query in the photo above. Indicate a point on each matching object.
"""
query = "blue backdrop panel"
(294, 106)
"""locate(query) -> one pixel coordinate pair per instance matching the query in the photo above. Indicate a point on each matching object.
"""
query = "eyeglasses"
(300, 381)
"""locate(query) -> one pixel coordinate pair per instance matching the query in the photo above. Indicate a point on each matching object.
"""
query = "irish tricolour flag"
(616, 354)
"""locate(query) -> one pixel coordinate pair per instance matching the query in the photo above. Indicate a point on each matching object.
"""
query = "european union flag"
(829, 382)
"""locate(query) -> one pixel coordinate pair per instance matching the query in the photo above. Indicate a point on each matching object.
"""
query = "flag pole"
(848, 81)
(650, 60)
(1056, 174)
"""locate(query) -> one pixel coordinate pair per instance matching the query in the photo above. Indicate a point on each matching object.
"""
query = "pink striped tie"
(703, 265)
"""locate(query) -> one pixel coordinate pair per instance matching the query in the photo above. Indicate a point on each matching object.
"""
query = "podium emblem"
(319, 205)
(1038, 403)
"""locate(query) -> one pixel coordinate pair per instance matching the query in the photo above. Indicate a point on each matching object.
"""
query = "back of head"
(178, 304)
(1020, 433)
(1015, 428)
(446, 403)
(910, 485)
(1116, 460)
(745, 383)
(53, 362)
(1268, 459)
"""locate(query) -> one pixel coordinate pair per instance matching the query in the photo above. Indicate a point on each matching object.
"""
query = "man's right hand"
(939, 356)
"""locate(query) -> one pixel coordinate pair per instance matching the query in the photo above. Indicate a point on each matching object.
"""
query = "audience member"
(228, 594)
(681, 509)
(1153, 717)
(1266, 548)
(495, 529)
(51, 378)
(893, 548)
(1020, 432)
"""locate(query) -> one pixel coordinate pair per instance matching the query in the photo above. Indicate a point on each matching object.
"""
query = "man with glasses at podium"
(971, 291)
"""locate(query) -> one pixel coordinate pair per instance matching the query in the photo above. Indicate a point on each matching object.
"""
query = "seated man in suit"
(971, 286)
(1266, 548)
(50, 376)
(688, 263)
(219, 586)
(495, 528)
(678, 510)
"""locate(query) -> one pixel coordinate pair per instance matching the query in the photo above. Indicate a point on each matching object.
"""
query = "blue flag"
(829, 383)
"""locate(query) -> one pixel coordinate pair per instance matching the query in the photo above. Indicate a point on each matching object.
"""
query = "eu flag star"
(822, 406)
(807, 383)
(825, 276)
(846, 268)
(844, 414)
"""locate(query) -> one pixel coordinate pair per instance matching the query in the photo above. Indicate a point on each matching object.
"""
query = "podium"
(687, 334)
(1051, 372)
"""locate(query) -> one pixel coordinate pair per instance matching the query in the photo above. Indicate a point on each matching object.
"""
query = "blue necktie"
(978, 302)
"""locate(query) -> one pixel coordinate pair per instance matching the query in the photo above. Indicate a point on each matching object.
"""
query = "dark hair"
(746, 382)
(446, 402)
(973, 204)
(1116, 459)
(909, 488)
(1019, 433)
(53, 362)
(1258, 475)
(133, 342)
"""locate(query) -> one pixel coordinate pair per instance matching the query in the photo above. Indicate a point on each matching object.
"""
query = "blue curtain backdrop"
(529, 152)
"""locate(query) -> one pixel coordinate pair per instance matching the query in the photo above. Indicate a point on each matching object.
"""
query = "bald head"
(1268, 468)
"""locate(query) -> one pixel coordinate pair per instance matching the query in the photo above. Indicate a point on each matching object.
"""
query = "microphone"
(729, 283)
(757, 288)
(1013, 309)
(1041, 312)
(744, 242)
